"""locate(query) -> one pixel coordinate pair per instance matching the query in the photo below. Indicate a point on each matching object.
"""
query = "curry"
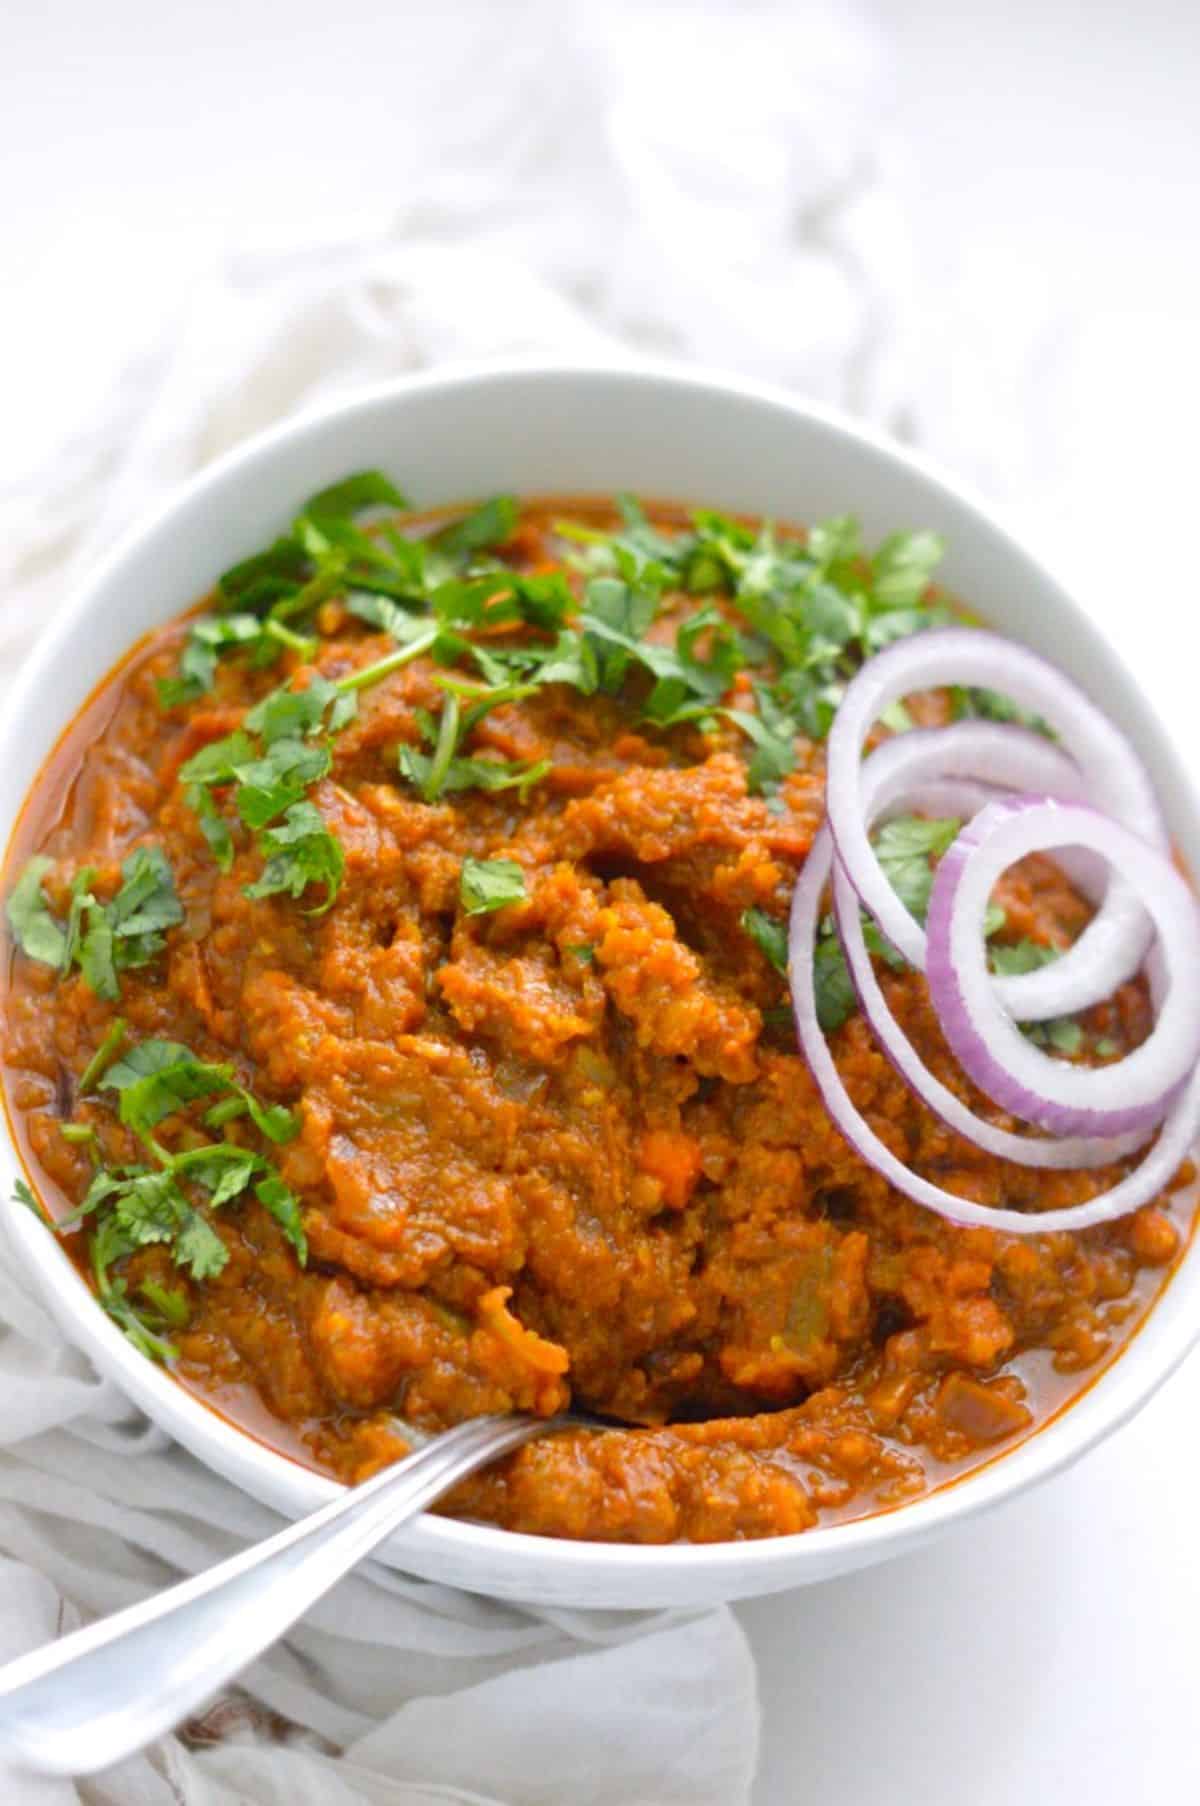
(480, 1090)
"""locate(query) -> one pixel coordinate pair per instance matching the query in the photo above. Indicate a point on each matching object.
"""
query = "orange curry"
(552, 1139)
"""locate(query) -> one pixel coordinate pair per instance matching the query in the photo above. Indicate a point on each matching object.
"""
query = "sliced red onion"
(1114, 944)
(883, 770)
(1178, 1133)
(1134, 1092)
(1058, 1153)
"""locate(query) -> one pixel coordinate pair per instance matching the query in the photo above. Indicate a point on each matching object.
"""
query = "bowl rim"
(1160, 1342)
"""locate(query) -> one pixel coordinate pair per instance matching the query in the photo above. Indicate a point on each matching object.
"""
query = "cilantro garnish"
(1061, 1033)
(101, 939)
(1015, 958)
(37, 933)
(907, 848)
(487, 884)
(769, 935)
(902, 569)
(22, 1194)
(329, 552)
(168, 1199)
(207, 639)
(441, 770)
(300, 851)
(773, 732)
(155, 1079)
(269, 763)
(834, 987)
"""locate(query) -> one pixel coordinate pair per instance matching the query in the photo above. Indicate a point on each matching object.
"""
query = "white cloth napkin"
(598, 213)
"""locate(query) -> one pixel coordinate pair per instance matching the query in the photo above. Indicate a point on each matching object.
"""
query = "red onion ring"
(1114, 944)
(1179, 1130)
(1065, 1099)
(882, 772)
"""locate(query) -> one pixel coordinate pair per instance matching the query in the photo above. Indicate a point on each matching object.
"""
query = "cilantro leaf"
(770, 935)
(223, 1168)
(289, 714)
(114, 1298)
(836, 997)
(1015, 958)
(773, 732)
(207, 639)
(213, 825)
(29, 916)
(99, 938)
(300, 851)
(157, 1078)
(22, 1194)
(488, 884)
(905, 848)
(323, 550)
(38, 934)
(1062, 1033)
(198, 1248)
(97, 956)
(126, 1208)
(441, 769)
(989, 705)
(269, 786)
(902, 568)
(172, 1306)
(488, 525)
(342, 501)
(218, 763)
(255, 583)
(284, 1206)
(146, 903)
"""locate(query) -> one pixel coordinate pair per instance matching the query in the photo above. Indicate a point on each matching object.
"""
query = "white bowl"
(668, 435)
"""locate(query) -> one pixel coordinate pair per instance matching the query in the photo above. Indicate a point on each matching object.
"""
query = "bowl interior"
(667, 436)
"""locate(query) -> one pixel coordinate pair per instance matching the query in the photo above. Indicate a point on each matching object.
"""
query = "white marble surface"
(1048, 157)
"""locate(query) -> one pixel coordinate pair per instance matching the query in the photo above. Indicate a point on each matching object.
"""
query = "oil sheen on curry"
(397, 1025)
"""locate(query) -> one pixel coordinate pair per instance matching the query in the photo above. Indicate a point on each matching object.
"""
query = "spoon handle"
(95, 1696)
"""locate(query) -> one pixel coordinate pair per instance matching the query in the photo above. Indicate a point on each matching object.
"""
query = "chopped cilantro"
(769, 935)
(906, 848)
(1013, 959)
(990, 705)
(835, 993)
(156, 1079)
(488, 525)
(1063, 1034)
(130, 1207)
(441, 769)
(903, 567)
(342, 501)
(487, 884)
(37, 933)
(207, 639)
(284, 1206)
(270, 762)
(22, 1194)
(101, 939)
(300, 851)
(103, 1057)
(268, 787)
(172, 1306)
(773, 732)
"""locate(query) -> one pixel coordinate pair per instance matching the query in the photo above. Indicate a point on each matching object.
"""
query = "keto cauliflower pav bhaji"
(398, 1023)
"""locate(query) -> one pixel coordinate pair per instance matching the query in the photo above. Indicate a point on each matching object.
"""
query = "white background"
(1047, 155)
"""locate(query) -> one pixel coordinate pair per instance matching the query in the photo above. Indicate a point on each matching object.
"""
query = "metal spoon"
(95, 1696)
